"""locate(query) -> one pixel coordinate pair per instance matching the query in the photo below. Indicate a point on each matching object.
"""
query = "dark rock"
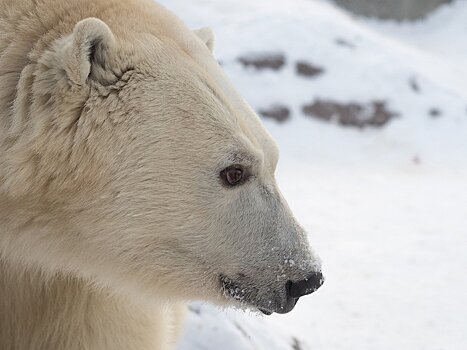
(345, 43)
(435, 112)
(195, 309)
(296, 345)
(374, 114)
(414, 85)
(241, 330)
(279, 113)
(307, 69)
(274, 61)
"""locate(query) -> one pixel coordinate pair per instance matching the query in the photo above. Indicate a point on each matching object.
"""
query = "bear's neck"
(17, 44)
(64, 312)
(28, 29)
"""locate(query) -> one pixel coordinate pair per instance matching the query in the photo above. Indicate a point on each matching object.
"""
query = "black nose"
(306, 286)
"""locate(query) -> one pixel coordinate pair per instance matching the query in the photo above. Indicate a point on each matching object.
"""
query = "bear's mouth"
(233, 290)
(265, 312)
(243, 292)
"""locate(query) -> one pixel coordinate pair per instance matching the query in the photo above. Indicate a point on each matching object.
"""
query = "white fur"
(115, 123)
(207, 36)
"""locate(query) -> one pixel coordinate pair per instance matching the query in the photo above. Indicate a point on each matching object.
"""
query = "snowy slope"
(385, 207)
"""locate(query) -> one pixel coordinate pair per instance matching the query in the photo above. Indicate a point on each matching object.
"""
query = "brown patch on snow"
(374, 114)
(261, 61)
(279, 113)
(306, 69)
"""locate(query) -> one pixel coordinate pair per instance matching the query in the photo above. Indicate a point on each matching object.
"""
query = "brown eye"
(233, 175)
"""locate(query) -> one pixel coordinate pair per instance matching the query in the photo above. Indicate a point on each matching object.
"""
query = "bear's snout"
(259, 295)
(296, 290)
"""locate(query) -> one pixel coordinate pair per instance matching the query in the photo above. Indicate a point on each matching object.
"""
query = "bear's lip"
(280, 309)
(265, 311)
(289, 306)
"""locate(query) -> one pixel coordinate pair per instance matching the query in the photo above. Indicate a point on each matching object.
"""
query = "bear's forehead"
(206, 88)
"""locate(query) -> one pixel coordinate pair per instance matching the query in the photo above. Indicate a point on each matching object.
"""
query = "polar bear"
(133, 179)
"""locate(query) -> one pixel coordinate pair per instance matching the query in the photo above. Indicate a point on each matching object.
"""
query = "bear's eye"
(233, 175)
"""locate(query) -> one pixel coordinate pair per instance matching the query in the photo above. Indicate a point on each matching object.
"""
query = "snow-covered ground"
(386, 207)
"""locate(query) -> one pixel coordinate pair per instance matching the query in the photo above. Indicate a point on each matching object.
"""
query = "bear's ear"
(207, 37)
(86, 47)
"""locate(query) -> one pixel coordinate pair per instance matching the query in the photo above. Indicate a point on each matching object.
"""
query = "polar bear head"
(151, 175)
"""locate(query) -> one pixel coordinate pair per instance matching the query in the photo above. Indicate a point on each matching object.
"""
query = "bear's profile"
(133, 179)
